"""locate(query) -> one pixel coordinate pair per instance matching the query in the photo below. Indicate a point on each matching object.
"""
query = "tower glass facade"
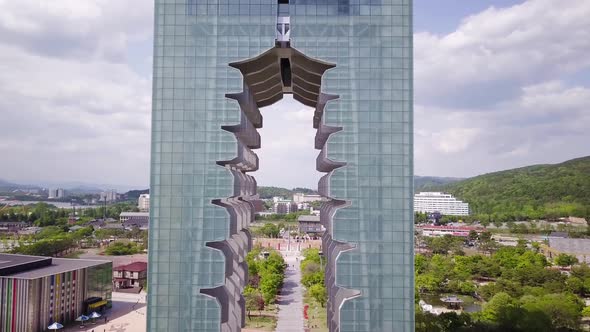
(202, 141)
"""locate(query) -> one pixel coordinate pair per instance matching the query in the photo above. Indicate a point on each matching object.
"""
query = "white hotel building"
(446, 204)
(143, 202)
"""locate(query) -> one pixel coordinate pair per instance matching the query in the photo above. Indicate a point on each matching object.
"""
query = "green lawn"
(263, 323)
(316, 314)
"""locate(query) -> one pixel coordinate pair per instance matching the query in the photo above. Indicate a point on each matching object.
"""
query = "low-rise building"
(140, 220)
(283, 206)
(310, 225)
(12, 226)
(130, 275)
(306, 198)
(30, 230)
(559, 245)
(38, 291)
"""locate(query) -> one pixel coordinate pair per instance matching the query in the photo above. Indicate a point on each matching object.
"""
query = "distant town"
(60, 233)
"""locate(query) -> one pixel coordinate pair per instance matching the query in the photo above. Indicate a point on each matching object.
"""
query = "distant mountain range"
(420, 183)
(72, 186)
(533, 191)
(6, 184)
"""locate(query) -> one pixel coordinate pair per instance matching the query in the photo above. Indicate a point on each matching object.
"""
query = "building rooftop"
(113, 226)
(571, 246)
(135, 214)
(133, 267)
(432, 194)
(33, 267)
(559, 234)
(308, 219)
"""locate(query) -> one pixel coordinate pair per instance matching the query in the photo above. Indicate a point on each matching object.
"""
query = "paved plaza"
(291, 299)
(128, 314)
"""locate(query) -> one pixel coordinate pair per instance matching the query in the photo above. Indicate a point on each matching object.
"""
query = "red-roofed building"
(130, 275)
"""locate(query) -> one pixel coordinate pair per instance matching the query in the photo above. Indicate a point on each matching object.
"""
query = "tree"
(254, 300)
(310, 279)
(420, 263)
(563, 310)
(270, 284)
(319, 293)
(497, 307)
(420, 217)
(270, 230)
(265, 274)
(121, 248)
(566, 260)
(575, 285)
(444, 244)
(498, 224)
(427, 283)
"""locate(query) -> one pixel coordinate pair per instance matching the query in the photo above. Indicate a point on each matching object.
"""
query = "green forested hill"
(270, 192)
(529, 192)
(421, 182)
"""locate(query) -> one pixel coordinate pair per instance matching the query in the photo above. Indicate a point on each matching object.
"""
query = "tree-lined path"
(290, 300)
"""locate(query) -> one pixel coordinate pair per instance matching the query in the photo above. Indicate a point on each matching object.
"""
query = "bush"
(122, 248)
(319, 293)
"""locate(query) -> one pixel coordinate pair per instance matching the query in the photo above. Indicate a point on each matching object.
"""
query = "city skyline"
(493, 107)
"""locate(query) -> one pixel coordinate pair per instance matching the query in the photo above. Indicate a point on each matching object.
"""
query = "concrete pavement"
(291, 298)
(126, 315)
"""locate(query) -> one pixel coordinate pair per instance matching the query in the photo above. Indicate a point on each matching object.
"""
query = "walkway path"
(291, 299)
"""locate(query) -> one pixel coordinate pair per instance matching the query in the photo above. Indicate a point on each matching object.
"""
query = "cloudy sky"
(498, 84)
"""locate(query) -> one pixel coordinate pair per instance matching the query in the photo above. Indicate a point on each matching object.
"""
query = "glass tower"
(216, 62)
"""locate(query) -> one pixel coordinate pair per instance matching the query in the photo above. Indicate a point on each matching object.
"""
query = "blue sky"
(498, 84)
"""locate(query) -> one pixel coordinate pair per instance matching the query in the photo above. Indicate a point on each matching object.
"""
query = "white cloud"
(554, 98)
(79, 30)
(71, 108)
(493, 94)
(454, 140)
(538, 39)
(546, 123)
(287, 156)
(496, 93)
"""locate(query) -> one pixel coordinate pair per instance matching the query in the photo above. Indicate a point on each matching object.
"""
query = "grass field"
(317, 315)
(261, 323)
